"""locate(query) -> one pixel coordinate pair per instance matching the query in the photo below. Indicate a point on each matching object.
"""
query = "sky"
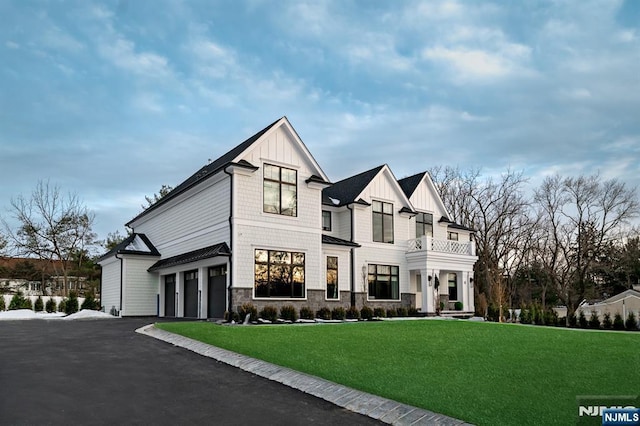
(110, 100)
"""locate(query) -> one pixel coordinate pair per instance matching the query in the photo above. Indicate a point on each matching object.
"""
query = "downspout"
(121, 286)
(230, 271)
(352, 263)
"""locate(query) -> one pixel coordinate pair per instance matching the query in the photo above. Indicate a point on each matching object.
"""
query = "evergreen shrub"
(582, 320)
(618, 322)
(248, 308)
(269, 313)
(72, 304)
(50, 306)
(379, 312)
(306, 313)
(18, 301)
(324, 313)
(402, 312)
(39, 305)
(607, 324)
(289, 313)
(631, 323)
(353, 313)
(391, 312)
(3, 305)
(366, 313)
(594, 321)
(90, 302)
(338, 313)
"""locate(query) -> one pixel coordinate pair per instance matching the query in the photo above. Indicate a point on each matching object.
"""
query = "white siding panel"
(140, 287)
(110, 292)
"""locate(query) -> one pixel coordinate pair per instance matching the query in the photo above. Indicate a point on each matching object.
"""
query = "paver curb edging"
(376, 407)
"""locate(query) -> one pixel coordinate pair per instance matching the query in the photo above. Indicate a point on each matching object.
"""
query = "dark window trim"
(280, 183)
(337, 279)
(324, 228)
(373, 278)
(382, 215)
(421, 223)
(291, 266)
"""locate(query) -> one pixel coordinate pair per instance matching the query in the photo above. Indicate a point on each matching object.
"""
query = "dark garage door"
(217, 293)
(191, 294)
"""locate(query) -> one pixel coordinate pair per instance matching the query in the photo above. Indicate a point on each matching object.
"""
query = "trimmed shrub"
(248, 308)
(3, 306)
(457, 306)
(594, 321)
(338, 313)
(630, 323)
(72, 305)
(582, 320)
(50, 306)
(379, 312)
(90, 302)
(391, 312)
(353, 313)
(537, 315)
(551, 317)
(573, 321)
(525, 315)
(618, 322)
(402, 312)
(231, 316)
(413, 312)
(493, 313)
(607, 324)
(289, 313)
(39, 305)
(324, 313)
(62, 306)
(306, 313)
(18, 301)
(269, 313)
(366, 313)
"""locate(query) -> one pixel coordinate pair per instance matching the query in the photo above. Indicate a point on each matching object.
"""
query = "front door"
(191, 294)
(217, 292)
(170, 296)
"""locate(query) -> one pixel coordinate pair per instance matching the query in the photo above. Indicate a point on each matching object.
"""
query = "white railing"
(443, 246)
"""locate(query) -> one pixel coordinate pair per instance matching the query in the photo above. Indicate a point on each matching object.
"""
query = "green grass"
(484, 373)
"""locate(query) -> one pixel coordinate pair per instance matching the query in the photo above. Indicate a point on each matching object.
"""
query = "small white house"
(263, 224)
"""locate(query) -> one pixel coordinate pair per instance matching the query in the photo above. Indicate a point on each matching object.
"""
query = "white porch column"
(180, 294)
(465, 290)
(427, 292)
(203, 277)
(472, 306)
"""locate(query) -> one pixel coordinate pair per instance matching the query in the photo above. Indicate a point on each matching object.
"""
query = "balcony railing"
(443, 246)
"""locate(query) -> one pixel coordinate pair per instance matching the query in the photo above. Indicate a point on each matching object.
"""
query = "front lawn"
(484, 373)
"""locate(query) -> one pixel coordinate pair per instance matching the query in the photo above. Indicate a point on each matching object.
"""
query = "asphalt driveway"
(102, 372)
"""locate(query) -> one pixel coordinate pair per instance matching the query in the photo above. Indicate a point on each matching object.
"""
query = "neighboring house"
(623, 303)
(263, 224)
(35, 277)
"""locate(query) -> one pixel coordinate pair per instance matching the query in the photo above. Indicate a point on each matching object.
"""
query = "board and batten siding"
(110, 286)
(197, 219)
(140, 288)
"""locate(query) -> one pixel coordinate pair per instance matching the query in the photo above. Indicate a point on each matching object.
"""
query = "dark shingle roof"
(209, 170)
(409, 184)
(327, 239)
(129, 246)
(346, 190)
(221, 249)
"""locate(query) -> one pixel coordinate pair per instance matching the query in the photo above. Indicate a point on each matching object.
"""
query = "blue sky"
(113, 99)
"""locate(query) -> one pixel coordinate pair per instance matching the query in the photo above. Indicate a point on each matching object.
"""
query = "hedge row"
(290, 313)
(68, 305)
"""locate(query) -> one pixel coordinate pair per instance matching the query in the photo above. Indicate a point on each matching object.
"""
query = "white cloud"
(477, 64)
(122, 53)
(12, 45)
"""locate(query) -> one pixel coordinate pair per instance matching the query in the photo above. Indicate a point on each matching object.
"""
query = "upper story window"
(453, 236)
(326, 220)
(424, 225)
(382, 222)
(280, 190)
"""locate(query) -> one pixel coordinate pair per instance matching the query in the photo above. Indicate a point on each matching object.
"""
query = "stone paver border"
(376, 407)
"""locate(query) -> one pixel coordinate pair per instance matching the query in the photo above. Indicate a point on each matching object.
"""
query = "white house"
(263, 224)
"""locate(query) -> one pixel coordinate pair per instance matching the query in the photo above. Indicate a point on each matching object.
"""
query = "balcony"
(443, 246)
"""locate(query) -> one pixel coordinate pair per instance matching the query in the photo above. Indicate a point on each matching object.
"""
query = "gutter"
(121, 285)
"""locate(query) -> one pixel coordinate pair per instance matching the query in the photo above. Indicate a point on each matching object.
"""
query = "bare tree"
(581, 216)
(51, 226)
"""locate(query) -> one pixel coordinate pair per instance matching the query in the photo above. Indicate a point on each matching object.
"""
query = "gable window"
(279, 274)
(280, 190)
(453, 236)
(453, 286)
(384, 282)
(424, 225)
(332, 277)
(382, 222)
(326, 220)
